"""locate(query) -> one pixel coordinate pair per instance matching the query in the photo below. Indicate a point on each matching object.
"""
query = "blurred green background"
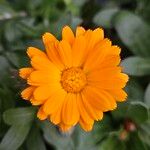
(126, 23)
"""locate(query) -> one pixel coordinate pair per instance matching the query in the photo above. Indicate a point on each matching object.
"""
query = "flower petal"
(86, 126)
(98, 54)
(96, 99)
(64, 127)
(67, 35)
(25, 72)
(94, 113)
(44, 92)
(79, 51)
(70, 112)
(65, 53)
(56, 116)
(83, 112)
(51, 45)
(55, 102)
(41, 114)
(37, 78)
(80, 31)
(27, 93)
(32, 51)
(119, 95)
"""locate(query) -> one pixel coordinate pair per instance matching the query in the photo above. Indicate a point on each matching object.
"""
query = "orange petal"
(47, 38)
(64, 127)
(109, 61)
(104, 73)
(93, 38)
(36, 102)
(67, 34)
(83, 112)
(40, 63)
(119, 95)
(96, 98)
(32, 51)
(55, 102)
(86, 126)
(27, 93)
(80, 31)
(65, 53)
(56, 116)
(41, 114)
(98, 35)
(44, 92)
(94, 113)
(37, 78)
(25, 72)
(79, 51)
(97, 55)
(51, 45)
(70, 112)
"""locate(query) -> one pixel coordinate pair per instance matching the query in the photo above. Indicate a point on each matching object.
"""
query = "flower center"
(73, 79)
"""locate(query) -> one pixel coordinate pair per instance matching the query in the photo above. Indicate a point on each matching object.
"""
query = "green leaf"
(53, 137)
(144, 132)
(134, 32)
(134, 90)
(135, 110)
(120, 112)
(101, 129)
(147, 95)
(33, 144)
(135, 143)
(138, 112)
(19, 116)
(15, 136)
(104, 17)
(83, 140)
(136, 66)
(112, 143)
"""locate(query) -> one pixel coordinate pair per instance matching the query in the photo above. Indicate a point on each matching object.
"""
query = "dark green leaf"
(35, 144)
(138, 112)
(19, 115)
(136, 66)
(134, 32)
(134, 90)
(53, 137)
(15, 136)
(104, 17)
(112, 143)
(120, 112)
(135, 143)
(147, 95)
(83, 140)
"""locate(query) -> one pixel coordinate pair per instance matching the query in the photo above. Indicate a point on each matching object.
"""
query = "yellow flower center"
(73, 79)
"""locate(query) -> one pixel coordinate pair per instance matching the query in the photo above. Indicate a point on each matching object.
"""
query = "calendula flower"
(75, 80)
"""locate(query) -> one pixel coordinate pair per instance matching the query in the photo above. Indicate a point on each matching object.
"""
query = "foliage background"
(126, 22)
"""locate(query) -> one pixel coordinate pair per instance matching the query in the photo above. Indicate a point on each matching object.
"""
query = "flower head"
(75, 80)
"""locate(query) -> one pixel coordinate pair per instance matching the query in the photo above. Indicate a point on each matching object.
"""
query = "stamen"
(73, 80)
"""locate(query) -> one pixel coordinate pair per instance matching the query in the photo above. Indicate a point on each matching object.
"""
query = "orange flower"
(76, 79)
